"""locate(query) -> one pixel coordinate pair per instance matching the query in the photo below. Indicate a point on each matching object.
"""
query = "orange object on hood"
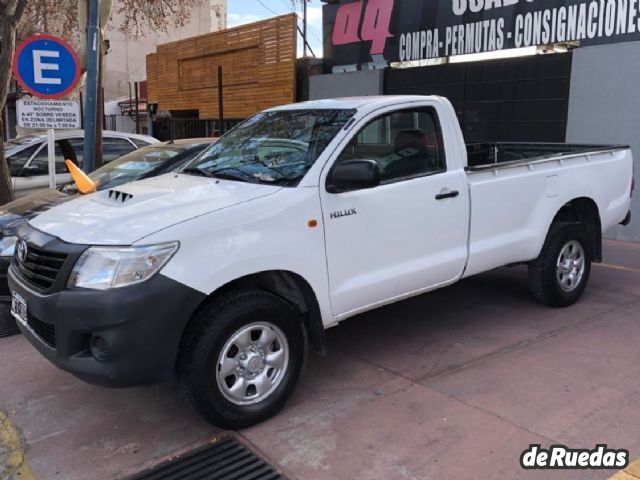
(83, 182)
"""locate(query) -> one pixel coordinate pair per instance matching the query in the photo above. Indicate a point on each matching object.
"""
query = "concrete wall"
(352, 84)
(604, 107)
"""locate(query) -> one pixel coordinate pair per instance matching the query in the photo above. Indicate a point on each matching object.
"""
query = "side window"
(40, 163)
(404, 144)
(18, 160)
(113, 148)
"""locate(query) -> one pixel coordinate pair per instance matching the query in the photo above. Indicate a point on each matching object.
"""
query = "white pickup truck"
(299, 218)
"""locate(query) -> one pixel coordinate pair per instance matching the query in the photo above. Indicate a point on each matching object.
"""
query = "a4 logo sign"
(352, 27)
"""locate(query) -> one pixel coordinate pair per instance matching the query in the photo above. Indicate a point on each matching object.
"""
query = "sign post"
(48, 68)
(51, 147)
(91, 88)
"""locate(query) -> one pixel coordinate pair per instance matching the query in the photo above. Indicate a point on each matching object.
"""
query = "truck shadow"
(443, 330)
(370, 357)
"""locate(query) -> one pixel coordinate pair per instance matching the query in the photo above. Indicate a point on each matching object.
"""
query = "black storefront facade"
(587, 93)
(507, 100)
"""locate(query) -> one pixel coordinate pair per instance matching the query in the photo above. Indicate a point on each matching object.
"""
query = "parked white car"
(28, 155)
(299, 218)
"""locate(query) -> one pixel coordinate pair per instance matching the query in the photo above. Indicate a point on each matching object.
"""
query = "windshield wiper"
(288, 182)
(231, 173)
(197, 171)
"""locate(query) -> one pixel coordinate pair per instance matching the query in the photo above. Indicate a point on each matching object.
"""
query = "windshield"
(133, 166)
(272, 147)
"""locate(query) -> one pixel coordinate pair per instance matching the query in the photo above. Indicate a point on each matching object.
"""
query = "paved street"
(450, 385)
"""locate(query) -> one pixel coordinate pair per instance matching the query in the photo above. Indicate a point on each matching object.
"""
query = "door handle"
(447, 194)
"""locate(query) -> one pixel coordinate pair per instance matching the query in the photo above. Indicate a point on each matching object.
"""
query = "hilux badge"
(343, 213)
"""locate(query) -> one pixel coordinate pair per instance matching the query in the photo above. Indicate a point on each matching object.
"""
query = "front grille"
(41, 267)
(46, 332)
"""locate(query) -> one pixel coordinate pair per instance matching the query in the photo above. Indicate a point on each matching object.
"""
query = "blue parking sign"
(46, 66)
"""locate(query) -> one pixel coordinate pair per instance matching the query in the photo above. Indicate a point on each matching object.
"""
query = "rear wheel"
(559, 276)
(241, 358)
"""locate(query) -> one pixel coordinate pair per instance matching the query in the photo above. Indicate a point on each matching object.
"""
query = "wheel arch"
(585, 211)
(291, 287)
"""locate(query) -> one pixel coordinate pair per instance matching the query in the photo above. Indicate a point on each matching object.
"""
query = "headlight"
(102, 268)
(7, 246)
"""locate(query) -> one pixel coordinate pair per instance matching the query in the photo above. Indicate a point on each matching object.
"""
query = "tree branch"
(19, 11)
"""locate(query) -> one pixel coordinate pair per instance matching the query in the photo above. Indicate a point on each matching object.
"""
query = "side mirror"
(353, 175)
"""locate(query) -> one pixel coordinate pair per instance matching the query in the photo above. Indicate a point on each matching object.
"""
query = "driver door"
(406, 235)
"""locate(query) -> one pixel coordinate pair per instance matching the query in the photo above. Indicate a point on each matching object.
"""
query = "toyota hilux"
(226, 273)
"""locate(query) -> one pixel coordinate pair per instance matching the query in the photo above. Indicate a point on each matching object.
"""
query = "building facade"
(126, 61)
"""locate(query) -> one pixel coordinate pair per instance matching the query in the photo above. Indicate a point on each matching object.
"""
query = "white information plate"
(48, 114)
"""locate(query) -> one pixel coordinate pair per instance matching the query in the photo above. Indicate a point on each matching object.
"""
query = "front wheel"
(241, 358)
(559, 276)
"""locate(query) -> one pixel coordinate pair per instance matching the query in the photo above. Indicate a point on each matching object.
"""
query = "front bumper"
(137, 329)
(141, 327)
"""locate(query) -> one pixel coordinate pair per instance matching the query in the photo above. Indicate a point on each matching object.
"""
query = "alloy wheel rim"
(570, 266)
(252, 363)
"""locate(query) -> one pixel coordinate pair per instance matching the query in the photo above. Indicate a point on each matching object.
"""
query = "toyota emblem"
(22, 251)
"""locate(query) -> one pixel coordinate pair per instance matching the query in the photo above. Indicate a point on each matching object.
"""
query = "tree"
(9, 20)
(21, 18)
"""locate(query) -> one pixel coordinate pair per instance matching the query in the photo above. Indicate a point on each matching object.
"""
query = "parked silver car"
(28, 155)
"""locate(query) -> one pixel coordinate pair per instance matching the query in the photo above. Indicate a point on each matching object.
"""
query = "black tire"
(543, 278)
(204, 340)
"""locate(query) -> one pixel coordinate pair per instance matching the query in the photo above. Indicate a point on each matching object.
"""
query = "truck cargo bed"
(482, 156)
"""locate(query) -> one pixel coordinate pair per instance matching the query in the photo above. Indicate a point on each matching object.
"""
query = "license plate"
(19, 308)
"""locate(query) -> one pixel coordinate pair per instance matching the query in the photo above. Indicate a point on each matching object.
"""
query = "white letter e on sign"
(39, 66)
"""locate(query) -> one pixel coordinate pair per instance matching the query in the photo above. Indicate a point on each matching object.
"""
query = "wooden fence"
(258, 63)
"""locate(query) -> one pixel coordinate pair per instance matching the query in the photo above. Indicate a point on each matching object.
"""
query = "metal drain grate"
(227, 459)
(8, 325)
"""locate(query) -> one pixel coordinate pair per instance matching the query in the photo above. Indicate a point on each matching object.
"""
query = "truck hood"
(125, 214)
